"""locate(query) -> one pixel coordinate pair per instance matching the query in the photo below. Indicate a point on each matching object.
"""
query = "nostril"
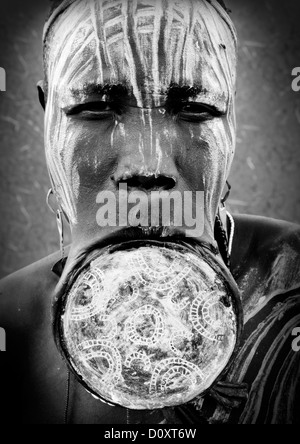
(150, 182)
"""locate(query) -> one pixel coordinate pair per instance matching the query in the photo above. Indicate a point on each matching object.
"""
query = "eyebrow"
(174, 91)
(183, 92)
(113, 91)
(120, 92)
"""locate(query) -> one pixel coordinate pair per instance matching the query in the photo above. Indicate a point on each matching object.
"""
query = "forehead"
(146, 45)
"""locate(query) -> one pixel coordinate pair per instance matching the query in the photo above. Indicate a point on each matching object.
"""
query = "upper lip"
(146, 181)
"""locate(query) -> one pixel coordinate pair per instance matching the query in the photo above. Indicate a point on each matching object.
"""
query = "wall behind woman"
(265, 175)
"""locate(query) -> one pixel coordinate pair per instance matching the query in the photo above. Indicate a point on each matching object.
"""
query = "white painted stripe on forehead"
(226, 17)
(66, 3)
(133, 22)
(98, 42)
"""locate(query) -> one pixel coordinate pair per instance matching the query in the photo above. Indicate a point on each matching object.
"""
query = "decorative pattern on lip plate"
(148, 327)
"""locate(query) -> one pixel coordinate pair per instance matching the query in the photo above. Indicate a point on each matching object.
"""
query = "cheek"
(80, 156)
(79, 144)
(204, 153)
(218, 139)
(94, 155)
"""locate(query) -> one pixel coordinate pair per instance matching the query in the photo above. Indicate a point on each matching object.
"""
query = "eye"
(94, 111)
(197, 112)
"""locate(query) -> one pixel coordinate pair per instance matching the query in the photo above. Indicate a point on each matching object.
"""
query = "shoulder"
(267, 270)
(25, 315)
(261, 241)
(266, 261)
(260, 232)
(26, 292)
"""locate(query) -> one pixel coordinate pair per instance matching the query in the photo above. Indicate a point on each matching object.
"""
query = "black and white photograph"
(150, 214)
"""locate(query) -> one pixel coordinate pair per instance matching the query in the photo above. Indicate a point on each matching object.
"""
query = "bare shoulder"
(266, 266)
(264, 232)
(26, 291)
(266, 255)
(256, 236)
(25, 316)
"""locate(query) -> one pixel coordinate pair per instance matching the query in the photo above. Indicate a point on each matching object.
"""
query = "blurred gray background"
(266, 173)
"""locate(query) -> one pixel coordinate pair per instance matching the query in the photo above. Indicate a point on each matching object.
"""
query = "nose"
(149, 183)
(146, 157)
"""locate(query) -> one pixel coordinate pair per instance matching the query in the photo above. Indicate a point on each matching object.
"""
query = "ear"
(41, 93)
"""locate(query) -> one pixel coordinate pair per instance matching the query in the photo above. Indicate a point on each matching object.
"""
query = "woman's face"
(139, 89)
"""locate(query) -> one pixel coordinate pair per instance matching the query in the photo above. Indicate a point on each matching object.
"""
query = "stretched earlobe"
(41, 93)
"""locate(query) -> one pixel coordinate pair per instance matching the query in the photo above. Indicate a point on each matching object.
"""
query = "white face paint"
(146, 46)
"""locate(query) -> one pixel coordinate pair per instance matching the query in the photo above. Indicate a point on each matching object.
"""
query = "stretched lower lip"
(159, 232)
(158, 235)
(162, 234)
